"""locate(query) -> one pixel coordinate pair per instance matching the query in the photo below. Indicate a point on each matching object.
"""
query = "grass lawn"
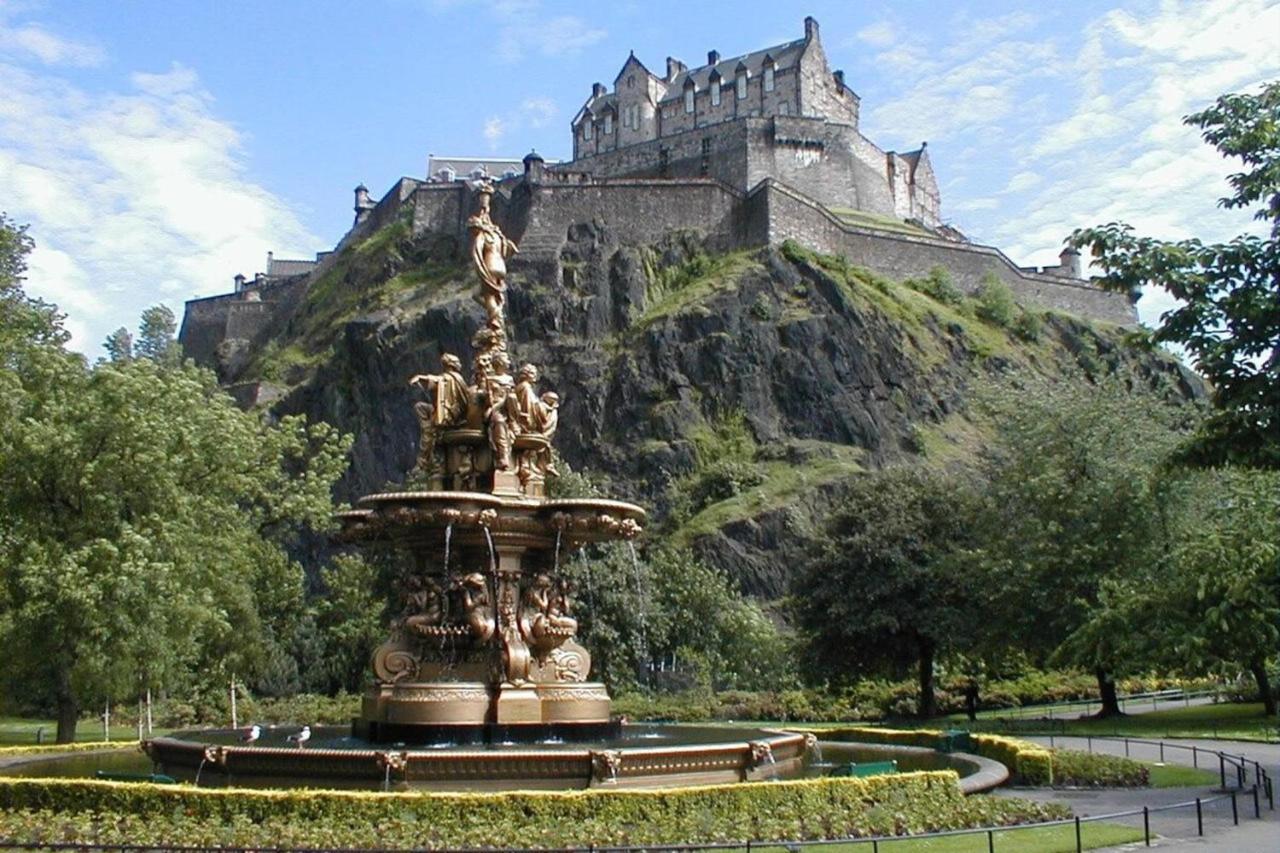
(1179, 776)
(1232, 721)
(21, 731)
(1043, 839)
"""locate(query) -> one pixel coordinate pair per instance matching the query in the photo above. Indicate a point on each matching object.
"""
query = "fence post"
(1222, 770)
(1089, 740)
(1195, 757)
(991, 841)
(1162, 752)
(1146, 825)
(1235, 810)
(1079, 845)
(1257, 806)
(1199, 819)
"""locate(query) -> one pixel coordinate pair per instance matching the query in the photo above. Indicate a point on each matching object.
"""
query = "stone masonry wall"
(791, 216)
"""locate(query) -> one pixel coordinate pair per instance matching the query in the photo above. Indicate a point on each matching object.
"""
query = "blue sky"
(158, 148)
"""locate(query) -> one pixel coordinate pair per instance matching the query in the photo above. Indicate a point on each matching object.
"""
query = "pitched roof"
(284, 267)
(783, 55)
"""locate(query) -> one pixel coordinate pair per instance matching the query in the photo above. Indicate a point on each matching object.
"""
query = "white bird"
(252, 735)
(301, 737)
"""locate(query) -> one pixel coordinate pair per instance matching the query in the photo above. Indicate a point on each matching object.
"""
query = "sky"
(158, 147)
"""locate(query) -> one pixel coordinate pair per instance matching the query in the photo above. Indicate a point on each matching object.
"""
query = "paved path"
(1177, 828)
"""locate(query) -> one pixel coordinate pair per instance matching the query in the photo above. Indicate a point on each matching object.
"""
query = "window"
(664, 162)
(631, 82)
(586, 129)
(715, 92)
(742, 87)
(706, 156)
(768, 78)
(608, 123)
(688, 99)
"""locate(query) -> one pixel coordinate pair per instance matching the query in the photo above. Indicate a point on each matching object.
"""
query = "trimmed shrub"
(1028, 762)
(1073, 768)
(104, 812)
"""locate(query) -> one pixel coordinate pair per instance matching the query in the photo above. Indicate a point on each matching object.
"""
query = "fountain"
(482, 682)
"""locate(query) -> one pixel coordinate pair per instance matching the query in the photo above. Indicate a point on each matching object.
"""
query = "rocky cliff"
(733, 393)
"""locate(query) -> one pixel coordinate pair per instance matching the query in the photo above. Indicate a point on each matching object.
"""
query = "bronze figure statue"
(489, 250)
(451, 398)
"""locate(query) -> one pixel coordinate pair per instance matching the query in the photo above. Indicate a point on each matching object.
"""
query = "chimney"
(270, 257)
(713, 57)
(239, 282)
(1069, 262)
(674, 68)
(810, 29)
(598, 89)
(839, 75)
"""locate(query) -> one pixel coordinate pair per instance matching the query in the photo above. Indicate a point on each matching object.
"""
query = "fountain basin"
(640, 756)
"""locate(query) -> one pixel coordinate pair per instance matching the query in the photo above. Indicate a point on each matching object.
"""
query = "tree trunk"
(1259, 670)
(1107, 695)
(928, 704)
(68, 709)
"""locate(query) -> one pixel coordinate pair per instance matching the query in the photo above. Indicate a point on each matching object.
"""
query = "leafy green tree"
(887, 586)
(1072, 524)
(351, 619)
(1220, 603)
(119, 346)
(1228, 316)
(156, 335)
(143, 517)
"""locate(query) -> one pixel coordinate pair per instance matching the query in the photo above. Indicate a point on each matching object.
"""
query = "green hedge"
(1028, 763)
(105, 812)
(79, 746)
(1073, 768)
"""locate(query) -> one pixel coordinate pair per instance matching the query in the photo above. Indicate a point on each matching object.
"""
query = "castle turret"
(1069, 262)
(534, 168)
(363, 204)
(239, 280)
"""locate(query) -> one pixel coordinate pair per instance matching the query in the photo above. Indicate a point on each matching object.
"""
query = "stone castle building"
(779, 112)
(748, 151)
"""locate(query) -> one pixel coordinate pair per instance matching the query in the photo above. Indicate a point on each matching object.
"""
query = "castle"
(778, 112)
(748, 151)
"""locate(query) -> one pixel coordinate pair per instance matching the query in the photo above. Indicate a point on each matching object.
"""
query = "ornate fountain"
(482, 681)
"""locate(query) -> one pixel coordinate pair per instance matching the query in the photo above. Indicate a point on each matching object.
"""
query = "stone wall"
(792, 216)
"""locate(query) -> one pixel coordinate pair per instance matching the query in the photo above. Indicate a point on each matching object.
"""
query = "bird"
(301, 737)
(251, 735)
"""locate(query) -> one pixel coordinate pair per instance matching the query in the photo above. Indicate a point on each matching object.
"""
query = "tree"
(156, 331)
(1228, 317)
(1221, 601)
(1072, 527)
(887, 585)
(143, 517)
(119, 346)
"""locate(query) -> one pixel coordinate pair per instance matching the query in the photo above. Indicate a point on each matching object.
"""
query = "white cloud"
(494, 129)
(133, 197)
(1022, 181)
(563, 35)
(32, 41)
(538, 112)
(879, 34)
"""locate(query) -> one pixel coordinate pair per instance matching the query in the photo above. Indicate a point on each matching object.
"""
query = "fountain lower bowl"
(638, 756)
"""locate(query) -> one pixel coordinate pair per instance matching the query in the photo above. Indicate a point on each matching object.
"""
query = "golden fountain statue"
(486, 634)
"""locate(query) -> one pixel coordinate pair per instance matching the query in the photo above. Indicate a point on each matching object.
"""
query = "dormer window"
(715, 89)
(586, 129)
(688, 97)
(742, 85)
(608, 123)
(768, 78)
